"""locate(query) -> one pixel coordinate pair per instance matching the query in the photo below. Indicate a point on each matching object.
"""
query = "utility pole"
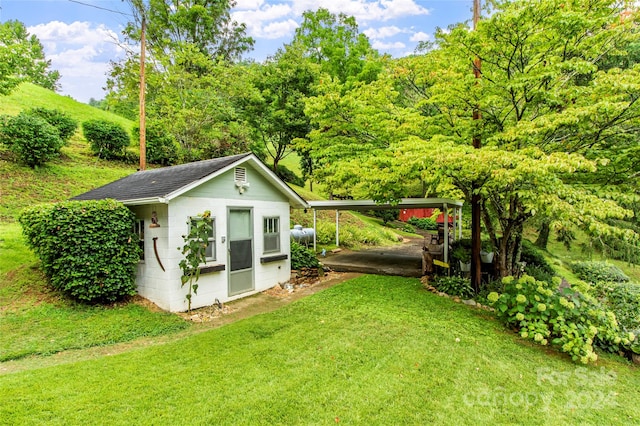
(476, 227)
(143, 131)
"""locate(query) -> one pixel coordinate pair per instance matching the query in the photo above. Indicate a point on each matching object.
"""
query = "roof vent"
(241, 175)
(241, 179)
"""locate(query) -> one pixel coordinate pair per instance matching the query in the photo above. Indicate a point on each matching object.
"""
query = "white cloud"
(420, 36)
(394, 45)
(260, 23)
(362, 10)
(279, 29)
(81, 52)
(248, 4)
(382, 32)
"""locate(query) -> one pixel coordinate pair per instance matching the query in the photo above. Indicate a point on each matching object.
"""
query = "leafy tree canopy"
(22, 59)
(205, 24)
(557, 121)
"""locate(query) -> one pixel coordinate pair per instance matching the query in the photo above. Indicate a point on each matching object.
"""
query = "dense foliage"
(86, 248)
(59, 119)
(22, 59)
(569, 320)
(454, 286)
(425, 223)
(161, 146)
(594, 272)
(107, 139)
(534, 262)
(31, 138)
(623, 299)
(302, 257)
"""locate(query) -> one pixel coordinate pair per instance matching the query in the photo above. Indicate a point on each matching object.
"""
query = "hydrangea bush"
(567, 319)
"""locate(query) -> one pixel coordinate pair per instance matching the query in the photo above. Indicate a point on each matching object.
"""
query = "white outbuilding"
(249, 245)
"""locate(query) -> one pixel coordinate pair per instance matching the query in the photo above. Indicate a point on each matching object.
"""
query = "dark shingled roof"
(159, 182)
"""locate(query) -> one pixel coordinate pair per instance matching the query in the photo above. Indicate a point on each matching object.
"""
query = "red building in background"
(406, 214)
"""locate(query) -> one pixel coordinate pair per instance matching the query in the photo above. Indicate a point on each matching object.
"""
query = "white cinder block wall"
(164, 287)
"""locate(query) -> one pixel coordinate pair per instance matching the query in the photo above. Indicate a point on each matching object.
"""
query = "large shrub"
(535, 263)
(623, 299)
(425, 223)
(87, 248)
(302, 257)
(30, 138)
(161, 147)
(594, 272)
(108, 140)
(569, 320)
(60, 120)
(289, 176)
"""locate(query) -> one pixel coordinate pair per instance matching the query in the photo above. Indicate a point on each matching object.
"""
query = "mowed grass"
(76, 171)
(373, 350)
(27, 96)
(35, 320)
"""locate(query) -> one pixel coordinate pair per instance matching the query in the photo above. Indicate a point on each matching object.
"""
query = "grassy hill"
(75, 172)
(405, 348)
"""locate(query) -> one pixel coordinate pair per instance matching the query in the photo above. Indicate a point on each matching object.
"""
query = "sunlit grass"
(374, 350)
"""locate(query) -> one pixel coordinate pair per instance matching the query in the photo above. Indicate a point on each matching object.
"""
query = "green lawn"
(373, 350)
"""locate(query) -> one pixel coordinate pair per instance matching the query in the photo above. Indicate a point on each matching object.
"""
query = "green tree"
(206, 25)
(276, 111)
(551, 120)
(191, 87)
(202, 111)
(22, 59)
(335, 43)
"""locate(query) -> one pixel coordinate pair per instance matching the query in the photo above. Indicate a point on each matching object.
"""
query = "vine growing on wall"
(194, 251)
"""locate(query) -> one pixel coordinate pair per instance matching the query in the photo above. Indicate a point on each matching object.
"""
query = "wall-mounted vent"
(241, 175)
(241, 179)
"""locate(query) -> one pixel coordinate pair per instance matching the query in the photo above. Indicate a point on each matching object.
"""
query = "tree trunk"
(543, 235)
(476, 243)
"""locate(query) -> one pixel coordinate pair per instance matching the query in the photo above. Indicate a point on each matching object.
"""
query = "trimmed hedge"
(31, 139)
(108, 140)
(59, 119)
(87, 248)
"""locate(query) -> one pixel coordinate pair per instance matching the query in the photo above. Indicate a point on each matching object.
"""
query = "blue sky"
(81, 39)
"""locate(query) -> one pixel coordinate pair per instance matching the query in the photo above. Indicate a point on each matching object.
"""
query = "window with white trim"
(210, 251)
(271, 234)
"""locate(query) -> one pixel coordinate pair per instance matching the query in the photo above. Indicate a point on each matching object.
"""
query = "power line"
(101, 8)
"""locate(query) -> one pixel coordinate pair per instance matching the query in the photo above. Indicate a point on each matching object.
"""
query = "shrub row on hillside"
(37, 135)
(87, 248)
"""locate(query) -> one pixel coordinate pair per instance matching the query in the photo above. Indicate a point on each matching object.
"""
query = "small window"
(271, 234)
(241, 175)
(138, 229)
(210, 251)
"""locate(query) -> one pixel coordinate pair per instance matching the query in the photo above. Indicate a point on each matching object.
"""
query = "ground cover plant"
(374, 350)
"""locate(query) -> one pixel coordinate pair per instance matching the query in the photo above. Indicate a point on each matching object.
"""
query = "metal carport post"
(362, 205)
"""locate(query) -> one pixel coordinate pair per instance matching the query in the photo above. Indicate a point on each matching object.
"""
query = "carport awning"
(405, 203)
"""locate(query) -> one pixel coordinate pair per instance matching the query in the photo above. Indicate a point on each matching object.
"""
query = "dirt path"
(260, 303)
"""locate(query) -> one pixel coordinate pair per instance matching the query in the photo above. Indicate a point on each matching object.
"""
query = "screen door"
(240, 249)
